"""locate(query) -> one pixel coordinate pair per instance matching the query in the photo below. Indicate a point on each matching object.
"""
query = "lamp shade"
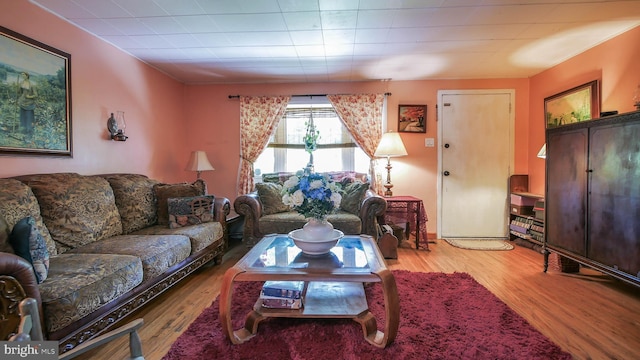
(391, 145)
(199, 162)
(542, 154)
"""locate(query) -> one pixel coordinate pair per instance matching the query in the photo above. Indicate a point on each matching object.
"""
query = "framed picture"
(35, 97)
(412, 118)
(574, 105)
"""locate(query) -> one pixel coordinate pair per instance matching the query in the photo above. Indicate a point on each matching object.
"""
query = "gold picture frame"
(578, 104)
(35, 97)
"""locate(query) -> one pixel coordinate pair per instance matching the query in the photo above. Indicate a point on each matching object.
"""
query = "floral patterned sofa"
(265, 213)
(104, 247)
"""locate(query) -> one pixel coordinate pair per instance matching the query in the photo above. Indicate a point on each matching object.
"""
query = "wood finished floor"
(590, 315)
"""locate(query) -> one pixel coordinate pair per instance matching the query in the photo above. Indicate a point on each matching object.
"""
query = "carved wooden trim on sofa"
(137, 299)
(11, 293)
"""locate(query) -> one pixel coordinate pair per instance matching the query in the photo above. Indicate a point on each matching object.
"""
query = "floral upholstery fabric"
(158, 253)
(353, 196)
(135, 199)
(79, 284)
(270, 195)
(165, 191)
(283, 223)
(200, 235)
(17, 202)
(72, 217)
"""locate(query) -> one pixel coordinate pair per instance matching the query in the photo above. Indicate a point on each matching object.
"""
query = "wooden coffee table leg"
(253, 318)
(392, 313)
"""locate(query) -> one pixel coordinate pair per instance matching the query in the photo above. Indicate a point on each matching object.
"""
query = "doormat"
(480, 244)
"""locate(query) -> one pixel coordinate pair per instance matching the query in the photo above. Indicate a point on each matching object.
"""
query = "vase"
(317, 229)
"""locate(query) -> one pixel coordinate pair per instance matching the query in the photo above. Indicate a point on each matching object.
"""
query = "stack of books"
(282, 294)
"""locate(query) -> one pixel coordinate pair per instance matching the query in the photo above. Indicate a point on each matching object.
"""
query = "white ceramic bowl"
(315, 247)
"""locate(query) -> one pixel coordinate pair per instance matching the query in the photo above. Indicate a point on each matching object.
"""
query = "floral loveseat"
(106, 242)
(265, 213)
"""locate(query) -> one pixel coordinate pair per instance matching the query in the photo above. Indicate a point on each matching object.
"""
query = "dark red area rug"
(443, 316)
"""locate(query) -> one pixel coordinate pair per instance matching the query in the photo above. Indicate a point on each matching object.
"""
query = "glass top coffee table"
(334, 285)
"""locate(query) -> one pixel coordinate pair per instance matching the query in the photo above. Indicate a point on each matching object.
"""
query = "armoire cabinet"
(592, 195)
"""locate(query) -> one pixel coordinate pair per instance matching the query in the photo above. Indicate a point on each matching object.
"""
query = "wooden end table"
(411, 210)
(334, 285)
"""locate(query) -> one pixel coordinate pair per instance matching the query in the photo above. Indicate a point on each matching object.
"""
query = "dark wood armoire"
(593, 194)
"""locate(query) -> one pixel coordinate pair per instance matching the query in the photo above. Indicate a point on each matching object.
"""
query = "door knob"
(446, 146)
(446, 173)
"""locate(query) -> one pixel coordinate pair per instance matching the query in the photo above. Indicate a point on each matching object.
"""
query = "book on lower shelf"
(284, 289)
(274, 302)
(282, 294)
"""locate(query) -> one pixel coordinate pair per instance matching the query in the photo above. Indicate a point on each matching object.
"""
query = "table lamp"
(199, 162)
(390, 146)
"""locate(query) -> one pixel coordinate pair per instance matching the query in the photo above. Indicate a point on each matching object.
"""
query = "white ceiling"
(267, 41)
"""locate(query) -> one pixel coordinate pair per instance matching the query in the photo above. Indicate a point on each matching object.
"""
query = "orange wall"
(104, 80)
(615, 63)
(214, 123)
(166, 120)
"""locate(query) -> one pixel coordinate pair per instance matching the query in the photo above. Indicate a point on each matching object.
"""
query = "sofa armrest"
(249, 205)
(222, 207)
(373, 207)
(14, 269)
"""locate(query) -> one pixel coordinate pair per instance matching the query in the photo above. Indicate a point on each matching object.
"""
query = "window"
(336, 150)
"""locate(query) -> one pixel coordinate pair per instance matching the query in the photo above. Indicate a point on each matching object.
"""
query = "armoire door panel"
(566, 185)
(614, 196)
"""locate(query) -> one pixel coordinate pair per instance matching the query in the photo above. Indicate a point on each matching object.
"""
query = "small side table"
(409, 209)
(235, 223)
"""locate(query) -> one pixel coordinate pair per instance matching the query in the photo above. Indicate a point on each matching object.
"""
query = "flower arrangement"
(312, 195)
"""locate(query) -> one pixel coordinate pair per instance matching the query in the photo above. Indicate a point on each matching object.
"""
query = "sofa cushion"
(191, 210)
(353, 196)
(165, 191)
(200, 235)
(17, 202)
(77, 209)
(157, 252)
(79, 284)
(29, 244)
(270, 195)
(283, 223)
(5, 230)
(135, 199)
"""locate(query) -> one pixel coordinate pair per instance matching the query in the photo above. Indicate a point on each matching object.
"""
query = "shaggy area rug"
(443, 316)
(480, 244)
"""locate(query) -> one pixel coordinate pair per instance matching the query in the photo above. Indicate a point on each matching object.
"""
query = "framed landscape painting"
(35, 97)
(574, 105)
(412, 118)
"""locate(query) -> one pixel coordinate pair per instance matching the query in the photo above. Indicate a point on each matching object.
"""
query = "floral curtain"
(259, 116)
(362, 115)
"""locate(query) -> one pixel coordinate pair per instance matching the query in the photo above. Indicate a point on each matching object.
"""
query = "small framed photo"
(35, 97)
(574, 105)
(412, 118)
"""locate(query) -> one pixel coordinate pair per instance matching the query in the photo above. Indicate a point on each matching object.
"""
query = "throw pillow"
(4, 236)
(353, 196)
(190, 210)
(271, 198)
(30, 245)
(165, 191)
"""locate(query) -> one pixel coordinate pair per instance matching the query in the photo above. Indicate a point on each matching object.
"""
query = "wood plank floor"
(590, 315)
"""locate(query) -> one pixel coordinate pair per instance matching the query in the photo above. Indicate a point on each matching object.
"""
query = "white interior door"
(475, 138)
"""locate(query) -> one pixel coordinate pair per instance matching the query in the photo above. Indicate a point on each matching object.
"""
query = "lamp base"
(388, 192)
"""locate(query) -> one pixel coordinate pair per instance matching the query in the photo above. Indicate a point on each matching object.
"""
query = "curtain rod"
(308, 95)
